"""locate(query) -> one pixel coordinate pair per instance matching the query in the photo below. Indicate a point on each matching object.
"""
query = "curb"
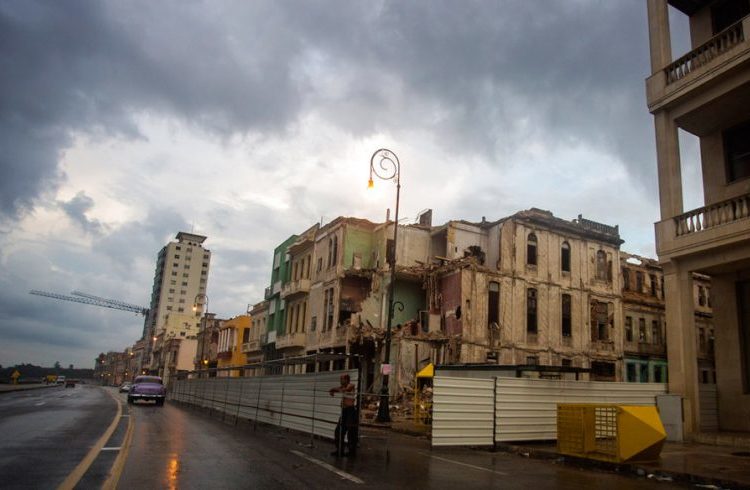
(631, 469)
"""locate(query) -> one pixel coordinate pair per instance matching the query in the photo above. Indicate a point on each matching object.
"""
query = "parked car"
(60, 380)
(125, 387)
(147, 388)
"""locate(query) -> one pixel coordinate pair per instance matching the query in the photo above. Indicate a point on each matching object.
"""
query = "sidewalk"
(691, 463)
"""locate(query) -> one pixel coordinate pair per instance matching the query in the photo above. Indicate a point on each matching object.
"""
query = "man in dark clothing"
(348, 422)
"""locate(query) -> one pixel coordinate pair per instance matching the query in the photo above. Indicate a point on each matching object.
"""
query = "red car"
(147, 388)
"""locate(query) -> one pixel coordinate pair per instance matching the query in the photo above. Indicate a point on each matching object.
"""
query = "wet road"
(45, 433)
(179, 447)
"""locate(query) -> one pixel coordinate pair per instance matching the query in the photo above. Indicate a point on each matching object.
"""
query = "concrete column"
(668, 163)
(681, 342)
(658, 34)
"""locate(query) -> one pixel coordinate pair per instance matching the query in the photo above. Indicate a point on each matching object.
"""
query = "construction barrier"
(605, 432)
(299, 401)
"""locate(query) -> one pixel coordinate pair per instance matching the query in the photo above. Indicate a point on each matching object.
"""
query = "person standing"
(347, 426)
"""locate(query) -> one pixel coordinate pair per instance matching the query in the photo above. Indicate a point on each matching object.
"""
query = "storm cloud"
(122, 123)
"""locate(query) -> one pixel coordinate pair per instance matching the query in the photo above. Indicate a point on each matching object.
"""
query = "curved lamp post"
(384, 164)
(202, 363)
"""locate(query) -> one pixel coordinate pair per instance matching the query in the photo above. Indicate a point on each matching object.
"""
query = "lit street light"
(391, 170)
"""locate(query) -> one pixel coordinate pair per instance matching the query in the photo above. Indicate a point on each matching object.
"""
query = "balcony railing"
(702, 55)
(713, 215)
(296, 339)
(294, 287)
(251, 346)
(603, 345)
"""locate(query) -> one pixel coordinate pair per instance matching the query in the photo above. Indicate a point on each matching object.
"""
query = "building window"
(531, 249)
(320, 264)
(641, 330)
(180, 309)
(313, 323)
(493, 303)
(659, 374)
(625, 279)
(639, 281)
(628, 329)
(330, 252)
(335, 249)
(566, 363)
(701, 296)
(567, 324)
(630, 373)
(737, 152)
(178, 247)
(183, 292)
(173, 282)
(176, 256)
(328, 323)
(205, 264)
(532, 360)
(184, 283)
(565, 257)
(654, 284)
(171, 290)
(169, 308)
(531, 326)
(174, 273)
(185, 274)
(655, 332)
(601, 265)
(599, 321)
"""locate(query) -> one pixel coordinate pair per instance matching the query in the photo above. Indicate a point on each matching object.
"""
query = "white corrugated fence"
(300, 401)
(484, 410)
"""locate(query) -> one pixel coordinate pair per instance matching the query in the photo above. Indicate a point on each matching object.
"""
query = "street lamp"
(204, 362)
(391, 170)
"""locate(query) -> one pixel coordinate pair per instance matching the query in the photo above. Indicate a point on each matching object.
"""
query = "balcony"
(718, 56)
(603, 345)
(251, 346)
(646, 349)
(704, 229)
(295, 287)
(267, 293)
(296, 339)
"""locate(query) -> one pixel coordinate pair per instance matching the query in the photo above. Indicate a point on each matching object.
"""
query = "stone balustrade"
(713, 215)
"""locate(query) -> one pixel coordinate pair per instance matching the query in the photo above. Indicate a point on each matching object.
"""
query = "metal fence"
(484, 411)
(296, 401)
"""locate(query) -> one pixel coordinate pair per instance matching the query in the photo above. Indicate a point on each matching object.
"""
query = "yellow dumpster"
(617, 433)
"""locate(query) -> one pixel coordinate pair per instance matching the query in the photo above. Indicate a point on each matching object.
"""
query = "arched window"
(565, 257)
(601, 265)
(531, 249)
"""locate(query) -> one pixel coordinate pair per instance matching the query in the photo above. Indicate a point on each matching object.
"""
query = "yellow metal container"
(606, 432)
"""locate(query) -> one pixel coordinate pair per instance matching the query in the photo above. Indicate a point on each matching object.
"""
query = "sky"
(122, 123)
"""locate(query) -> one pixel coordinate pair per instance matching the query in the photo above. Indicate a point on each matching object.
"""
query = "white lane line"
(480, 468)
(111, 448)
(342, 474)
(39, 404)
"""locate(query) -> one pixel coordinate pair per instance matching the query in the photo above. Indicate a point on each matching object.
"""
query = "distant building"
(181, 275)
(232, 333)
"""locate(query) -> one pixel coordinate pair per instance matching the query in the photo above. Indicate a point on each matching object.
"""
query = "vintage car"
(147, 388)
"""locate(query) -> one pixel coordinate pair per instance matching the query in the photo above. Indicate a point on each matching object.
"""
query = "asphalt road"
(179, 447)
(45, 433)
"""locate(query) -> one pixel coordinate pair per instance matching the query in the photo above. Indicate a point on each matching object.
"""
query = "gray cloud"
(76, 209)
(481, 77)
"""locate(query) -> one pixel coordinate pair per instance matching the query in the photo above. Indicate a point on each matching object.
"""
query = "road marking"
(75, 476)
(111, 448)
(119, 464)
(342, 474)
(480, 468)
(40, 404)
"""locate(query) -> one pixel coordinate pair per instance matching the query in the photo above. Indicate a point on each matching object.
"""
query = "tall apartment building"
(705, 92)
(181, 275)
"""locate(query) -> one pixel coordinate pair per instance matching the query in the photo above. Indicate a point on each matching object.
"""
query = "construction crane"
(90, 299)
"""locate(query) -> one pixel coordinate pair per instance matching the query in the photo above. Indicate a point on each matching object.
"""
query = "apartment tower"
(180, 283)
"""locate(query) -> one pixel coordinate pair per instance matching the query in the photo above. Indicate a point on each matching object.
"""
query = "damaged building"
(527, 289)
